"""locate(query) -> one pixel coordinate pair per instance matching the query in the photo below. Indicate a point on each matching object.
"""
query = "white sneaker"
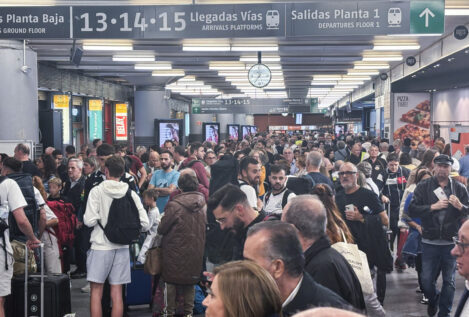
(86, 288)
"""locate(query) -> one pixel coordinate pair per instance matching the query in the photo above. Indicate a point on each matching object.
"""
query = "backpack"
(224, 171)
(3, 227)
(65, 213)
(123, 222)
(25, 182)
(284, 198)
(301, 185)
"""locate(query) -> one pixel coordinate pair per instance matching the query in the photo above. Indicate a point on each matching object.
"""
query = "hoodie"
(97, 209)
(183, 229)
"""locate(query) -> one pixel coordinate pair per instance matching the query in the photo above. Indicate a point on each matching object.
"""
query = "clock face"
(259, 75)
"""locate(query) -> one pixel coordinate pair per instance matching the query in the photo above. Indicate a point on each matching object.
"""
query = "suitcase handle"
(41, 246)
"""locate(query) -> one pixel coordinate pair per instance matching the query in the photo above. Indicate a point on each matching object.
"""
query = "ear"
(239, 209)
(277, 269)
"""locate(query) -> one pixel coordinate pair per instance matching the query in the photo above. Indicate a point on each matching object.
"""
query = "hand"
(79, 224)
(419, 229)
(455, 202)
(209, 276)
(385, 199)
(33, 243)
(354, 215)
(149, 176)
(441, 204)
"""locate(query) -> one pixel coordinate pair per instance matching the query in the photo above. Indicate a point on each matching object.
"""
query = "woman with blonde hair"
(242, 288)
(336, 226)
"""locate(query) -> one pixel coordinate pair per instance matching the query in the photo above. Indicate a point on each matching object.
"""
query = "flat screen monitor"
(233, 131)
(246, 131)
(340, 129)
(169, 129)
(253, 130)
(211, 132)
(77, 113)
(299, 118)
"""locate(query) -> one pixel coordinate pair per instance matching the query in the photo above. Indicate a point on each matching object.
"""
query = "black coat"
(312, 294)
(75, 195)
(330, 269)
(424, 197)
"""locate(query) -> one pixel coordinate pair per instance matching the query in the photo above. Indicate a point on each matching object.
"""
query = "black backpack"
(25, 182)
(123, 222)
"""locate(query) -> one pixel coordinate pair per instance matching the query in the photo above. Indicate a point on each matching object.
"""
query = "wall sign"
(251, 106)
(120, 122)
(95, 121)
(62, 102)
(323, 18)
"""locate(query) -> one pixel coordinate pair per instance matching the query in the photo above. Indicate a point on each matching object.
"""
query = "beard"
(238, 225)
(165, 167)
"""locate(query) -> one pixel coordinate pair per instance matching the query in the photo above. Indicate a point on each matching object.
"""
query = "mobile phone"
(349, 208)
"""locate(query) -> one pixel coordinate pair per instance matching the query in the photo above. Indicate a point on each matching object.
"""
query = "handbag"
(153, 261)
(358, 261)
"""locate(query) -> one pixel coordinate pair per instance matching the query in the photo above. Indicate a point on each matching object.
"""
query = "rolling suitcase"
(139, 291)
(47, 295)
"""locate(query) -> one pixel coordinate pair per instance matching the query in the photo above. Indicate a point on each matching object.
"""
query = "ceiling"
(300, 62)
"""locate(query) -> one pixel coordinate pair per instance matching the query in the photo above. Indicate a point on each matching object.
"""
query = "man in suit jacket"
(274, 245)
(461, 252)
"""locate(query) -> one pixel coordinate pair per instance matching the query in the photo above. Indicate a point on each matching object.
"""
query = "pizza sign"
(412, 117)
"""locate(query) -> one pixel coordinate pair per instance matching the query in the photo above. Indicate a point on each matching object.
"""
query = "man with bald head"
(461, 252)
(327, 266)
(364, 215)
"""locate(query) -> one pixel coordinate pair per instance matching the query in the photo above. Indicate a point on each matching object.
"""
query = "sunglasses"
(460, 244)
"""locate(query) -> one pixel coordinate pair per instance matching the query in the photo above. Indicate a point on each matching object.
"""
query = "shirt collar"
(467, 285)
(292, 294)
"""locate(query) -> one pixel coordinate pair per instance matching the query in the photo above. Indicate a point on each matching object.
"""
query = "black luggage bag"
(56, 299)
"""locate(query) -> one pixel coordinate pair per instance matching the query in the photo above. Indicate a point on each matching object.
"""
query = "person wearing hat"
(441, 203)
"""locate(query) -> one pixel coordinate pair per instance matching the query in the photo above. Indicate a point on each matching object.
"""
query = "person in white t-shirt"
(248, 179)
(11, 201)
(149, 200)
(279, 195)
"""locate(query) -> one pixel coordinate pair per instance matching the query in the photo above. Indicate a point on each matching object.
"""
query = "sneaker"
(86, 288)
(432, 308)
(424, 300)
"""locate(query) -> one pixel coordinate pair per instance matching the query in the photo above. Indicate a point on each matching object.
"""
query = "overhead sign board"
(320, 18)
(250, 106)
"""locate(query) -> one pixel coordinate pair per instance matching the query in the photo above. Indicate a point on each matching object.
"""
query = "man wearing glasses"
(232, 210)
(442, 204)
(362, 211)
(461, 252)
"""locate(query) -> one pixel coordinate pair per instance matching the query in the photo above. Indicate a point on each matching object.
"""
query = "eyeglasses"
(221, 220)
(348, 173)
(460, 244)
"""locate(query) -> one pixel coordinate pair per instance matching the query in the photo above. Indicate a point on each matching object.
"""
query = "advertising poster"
(95, 107)
(412, 117)
(120, 125)
(212, 133)
(169, 131)
(233, 132)
(62, 102)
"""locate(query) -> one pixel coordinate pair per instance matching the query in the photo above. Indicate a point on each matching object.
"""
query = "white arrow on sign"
(427, 12)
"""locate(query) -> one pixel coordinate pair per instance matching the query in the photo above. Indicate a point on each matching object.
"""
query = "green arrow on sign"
(427, 16)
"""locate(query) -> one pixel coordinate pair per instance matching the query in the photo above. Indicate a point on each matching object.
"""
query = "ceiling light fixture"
(107, 47)
(254, 48)
(205, 48)
(397, 47)
(457, 11)
(264, 59)
(383, 58)
(168, 73)
(360, 73)
(133, 58)
(153, 66)
(371, 66)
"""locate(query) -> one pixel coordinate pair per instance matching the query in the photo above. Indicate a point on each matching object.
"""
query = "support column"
(18, 93)
(224, 119)
(150, 104)
(383, 100)
(239, 118)
(196, 126)
(250, 119)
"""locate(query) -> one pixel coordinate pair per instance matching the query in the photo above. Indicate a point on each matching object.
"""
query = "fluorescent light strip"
(381, 58)
(323, 83)
(457, 11)
(397, 47)
(153, 66)
(415, 35)
(205, 48)
(168, 73)
(133, 58)
(370, 66)
(367, 73)
(110, 47)
(244, 48)
(264, 59)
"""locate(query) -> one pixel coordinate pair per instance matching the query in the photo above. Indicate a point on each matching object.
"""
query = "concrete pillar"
(18, 91)
(196, 126)
(150, 104)
(240, 118)
(224, 119)
(250, 119)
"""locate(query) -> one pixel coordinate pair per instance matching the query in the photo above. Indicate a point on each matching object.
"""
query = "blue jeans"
(436, 258)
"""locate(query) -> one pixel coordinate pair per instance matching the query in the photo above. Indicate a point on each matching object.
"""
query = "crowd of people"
(258, 227)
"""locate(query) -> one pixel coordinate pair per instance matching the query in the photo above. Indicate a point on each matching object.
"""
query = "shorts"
(5, 275)
(113, 265)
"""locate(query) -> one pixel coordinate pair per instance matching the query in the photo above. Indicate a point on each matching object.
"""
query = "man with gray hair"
(313, 164)
(22, 153)
(274, 245)
(327, 266)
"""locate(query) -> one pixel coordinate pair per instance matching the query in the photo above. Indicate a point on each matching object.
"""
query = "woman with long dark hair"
(336, 226)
